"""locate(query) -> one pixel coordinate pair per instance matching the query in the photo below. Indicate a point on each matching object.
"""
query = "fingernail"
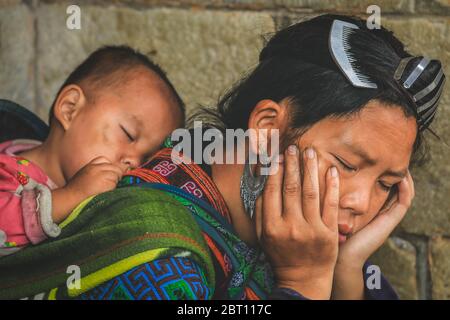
(292, 149)
(333, 172)
(310, 153)
(280, 158)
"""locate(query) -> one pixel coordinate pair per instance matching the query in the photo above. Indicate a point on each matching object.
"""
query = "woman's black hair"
(296, 65)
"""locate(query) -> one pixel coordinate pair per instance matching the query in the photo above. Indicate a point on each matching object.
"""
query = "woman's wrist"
(349, 263)
(348, 281)
(310, 284)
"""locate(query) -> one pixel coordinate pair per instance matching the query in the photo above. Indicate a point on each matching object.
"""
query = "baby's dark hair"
(99, 67)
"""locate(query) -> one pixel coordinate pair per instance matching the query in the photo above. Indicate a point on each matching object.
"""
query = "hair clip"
(339, 47)
(426, 100)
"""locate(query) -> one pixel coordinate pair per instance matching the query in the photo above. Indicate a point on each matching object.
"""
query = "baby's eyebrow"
(136, 121)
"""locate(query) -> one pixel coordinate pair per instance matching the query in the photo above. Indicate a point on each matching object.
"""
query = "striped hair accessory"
(425, 99)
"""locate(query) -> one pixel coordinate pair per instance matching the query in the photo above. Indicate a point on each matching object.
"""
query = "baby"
(112, 113)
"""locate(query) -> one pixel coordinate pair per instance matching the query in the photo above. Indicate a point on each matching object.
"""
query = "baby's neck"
(46, 158)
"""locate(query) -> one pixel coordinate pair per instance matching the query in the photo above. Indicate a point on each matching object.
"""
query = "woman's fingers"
(331, 200)
(406, 190)
(271, 198)
(404, 200)
(292, 186)
(379, 229)
(310, 187)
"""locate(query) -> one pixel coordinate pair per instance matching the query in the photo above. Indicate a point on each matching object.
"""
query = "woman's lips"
(344, 232)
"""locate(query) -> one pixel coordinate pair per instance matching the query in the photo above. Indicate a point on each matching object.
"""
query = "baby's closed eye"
(127, 133)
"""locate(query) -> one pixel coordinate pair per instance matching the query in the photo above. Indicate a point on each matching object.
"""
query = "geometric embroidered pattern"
(173, 278)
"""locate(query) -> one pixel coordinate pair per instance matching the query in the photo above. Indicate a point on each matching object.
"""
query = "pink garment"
(25, 199)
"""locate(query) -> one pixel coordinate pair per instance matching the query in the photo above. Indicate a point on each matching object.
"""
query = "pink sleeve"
(20, 215)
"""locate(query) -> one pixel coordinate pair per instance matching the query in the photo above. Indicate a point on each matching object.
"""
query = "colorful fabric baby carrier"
(242, 272)
(104, 237)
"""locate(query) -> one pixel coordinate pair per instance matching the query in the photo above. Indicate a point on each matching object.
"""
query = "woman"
(351, 106)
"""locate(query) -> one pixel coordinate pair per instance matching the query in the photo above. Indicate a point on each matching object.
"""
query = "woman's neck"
(227, 179)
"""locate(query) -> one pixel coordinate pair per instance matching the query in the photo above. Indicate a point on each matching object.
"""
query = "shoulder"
(9, 173)
(16, 170)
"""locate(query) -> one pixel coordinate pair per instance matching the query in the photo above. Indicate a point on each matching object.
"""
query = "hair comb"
(339, 46)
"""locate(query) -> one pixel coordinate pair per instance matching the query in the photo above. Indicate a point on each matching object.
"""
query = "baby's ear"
(70, 101)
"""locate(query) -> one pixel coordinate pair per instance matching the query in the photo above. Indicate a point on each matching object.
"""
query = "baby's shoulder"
(16, 170)
(9, 162)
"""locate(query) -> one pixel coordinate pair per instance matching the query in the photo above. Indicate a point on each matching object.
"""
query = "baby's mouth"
(343, 237)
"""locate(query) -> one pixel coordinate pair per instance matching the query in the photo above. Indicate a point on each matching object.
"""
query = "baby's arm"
(30, 212)
(98, 176)
(25, 208)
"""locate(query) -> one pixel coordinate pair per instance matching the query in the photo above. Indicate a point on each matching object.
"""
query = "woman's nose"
(357, 200)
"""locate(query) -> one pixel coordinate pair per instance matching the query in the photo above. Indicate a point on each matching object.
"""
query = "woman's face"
(371, 151)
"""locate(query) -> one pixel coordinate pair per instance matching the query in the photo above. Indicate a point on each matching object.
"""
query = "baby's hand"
(98, 176)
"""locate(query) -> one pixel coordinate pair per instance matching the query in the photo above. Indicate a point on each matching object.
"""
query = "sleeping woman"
(350, 105)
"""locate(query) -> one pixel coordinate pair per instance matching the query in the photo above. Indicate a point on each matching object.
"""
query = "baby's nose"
(130, 163)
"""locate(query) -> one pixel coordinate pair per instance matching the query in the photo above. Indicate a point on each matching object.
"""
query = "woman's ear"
(267, 116)
(70, 101)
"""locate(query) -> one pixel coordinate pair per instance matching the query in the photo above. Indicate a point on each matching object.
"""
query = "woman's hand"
(348, 278)
(300, 241)
(359, 247)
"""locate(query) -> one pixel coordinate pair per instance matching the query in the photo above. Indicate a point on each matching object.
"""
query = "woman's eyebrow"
(359, 151)
(400, 174)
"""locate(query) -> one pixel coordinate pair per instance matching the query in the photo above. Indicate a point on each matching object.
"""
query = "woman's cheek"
(361, 222)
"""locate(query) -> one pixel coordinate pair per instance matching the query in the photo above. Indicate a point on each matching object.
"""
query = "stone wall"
(207, 45)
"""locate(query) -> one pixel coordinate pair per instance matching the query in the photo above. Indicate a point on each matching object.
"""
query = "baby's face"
(126, 125)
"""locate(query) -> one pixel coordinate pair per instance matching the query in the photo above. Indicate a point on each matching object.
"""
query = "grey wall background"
(207, 45)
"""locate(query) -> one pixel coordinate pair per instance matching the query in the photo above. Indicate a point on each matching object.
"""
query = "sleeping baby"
(112, 113)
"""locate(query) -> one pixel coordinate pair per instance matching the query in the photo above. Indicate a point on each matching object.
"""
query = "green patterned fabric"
(104, 237)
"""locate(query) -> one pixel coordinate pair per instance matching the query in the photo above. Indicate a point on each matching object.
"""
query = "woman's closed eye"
(345, 166)
(386, 188)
